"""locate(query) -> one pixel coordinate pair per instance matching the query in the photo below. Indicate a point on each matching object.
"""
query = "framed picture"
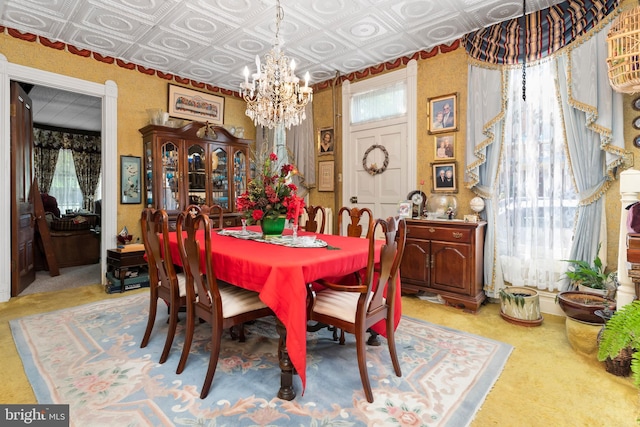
(326, 141)
(193, 105)
(444, 177)
(405, 209)
(443, 113)
(130, 180)
(444, 146)
(325, 176)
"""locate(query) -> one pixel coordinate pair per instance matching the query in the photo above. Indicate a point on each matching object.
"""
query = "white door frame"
(408, 74)
(108, 92)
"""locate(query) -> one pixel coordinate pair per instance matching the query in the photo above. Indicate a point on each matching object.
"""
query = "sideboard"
(445, 257)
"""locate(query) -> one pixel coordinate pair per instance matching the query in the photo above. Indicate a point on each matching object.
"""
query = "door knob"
(354, 199)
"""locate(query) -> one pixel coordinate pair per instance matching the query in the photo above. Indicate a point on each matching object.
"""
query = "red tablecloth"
(280, 274)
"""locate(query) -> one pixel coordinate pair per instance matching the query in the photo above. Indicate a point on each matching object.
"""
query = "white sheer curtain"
(537, 198)
(64, 186)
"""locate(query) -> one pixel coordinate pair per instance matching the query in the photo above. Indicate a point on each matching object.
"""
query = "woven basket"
(619, 365)
(623, 58)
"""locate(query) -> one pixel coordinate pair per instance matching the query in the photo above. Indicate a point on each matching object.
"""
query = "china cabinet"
(445, 258)
(185, 166)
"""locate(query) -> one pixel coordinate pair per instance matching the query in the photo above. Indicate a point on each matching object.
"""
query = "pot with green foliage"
(520, 306)
(619, 341)
(592, 277)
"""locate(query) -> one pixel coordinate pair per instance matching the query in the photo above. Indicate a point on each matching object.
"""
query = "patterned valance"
(75, 142)
(547, 31)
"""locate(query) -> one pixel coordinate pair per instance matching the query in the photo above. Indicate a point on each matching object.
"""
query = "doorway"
(108, 93)
(388, 143)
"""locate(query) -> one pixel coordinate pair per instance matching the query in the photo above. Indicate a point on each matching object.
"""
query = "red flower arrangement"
(269, 194)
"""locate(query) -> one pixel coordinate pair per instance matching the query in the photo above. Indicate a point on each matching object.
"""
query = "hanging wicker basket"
(623, 58)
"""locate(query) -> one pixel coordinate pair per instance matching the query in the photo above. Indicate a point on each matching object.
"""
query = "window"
(537, 201)
(65, 187)
(383, 103)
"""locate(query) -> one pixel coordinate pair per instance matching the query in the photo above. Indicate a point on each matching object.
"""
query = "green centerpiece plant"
(270, 194)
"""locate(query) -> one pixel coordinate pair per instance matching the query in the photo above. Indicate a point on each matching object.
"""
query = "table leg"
(286, 391)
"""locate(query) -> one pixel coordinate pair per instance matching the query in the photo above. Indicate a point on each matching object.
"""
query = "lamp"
(274, 95)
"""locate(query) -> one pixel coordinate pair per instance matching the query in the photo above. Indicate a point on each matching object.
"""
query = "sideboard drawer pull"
(457, 235)
(432, 230)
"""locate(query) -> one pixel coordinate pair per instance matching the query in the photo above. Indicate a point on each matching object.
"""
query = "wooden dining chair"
(355, 308)
(165, 282)
(215, 212)
(221, 305)
(313, 224)
(356, 216)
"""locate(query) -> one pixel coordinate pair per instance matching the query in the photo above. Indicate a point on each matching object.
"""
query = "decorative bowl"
(582, 306)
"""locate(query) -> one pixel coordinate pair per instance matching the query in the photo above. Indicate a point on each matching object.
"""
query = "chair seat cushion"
(236, 300)
(182, 284)
(338, 304)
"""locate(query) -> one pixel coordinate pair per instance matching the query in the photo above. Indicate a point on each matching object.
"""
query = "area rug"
(90, 358)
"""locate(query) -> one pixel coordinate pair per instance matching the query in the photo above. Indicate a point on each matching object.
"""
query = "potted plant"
(520, 306)
(620, 340)
(591, 277)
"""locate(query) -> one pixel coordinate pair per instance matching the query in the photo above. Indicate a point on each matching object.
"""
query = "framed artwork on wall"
(443, 113)
(325, 176)
(130, 180)
(444, 146)
(326, 141)
(444, 177)
(193, 105)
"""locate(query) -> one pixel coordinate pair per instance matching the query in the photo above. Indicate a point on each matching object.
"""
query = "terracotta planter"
(520, 306)
(582, 306)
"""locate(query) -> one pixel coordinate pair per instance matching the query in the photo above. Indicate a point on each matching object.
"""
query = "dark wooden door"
(22, 214)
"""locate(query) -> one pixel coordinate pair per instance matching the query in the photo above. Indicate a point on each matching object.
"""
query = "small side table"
(126, 271)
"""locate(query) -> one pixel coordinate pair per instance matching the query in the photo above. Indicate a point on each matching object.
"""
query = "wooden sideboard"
(446, 258)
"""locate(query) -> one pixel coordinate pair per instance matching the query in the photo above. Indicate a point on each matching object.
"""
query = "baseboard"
(548, 303)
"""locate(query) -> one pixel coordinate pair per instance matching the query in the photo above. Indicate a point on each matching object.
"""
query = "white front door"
(383, 191)
(383, 143)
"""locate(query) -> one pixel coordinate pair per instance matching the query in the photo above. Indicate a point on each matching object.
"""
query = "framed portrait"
(325, 176)
(444, 177)
(130, 190)
(443, 113)
(326, 141)
(405, 209)
(444, 146)
(194, 105)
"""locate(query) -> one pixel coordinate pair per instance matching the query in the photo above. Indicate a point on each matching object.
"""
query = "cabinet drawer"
(440, 233)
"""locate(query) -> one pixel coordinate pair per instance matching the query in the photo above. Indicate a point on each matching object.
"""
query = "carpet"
(90, 358)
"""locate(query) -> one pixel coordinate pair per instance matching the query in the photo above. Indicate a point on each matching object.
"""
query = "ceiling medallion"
(274, 95)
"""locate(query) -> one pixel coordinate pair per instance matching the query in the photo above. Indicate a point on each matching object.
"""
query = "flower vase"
(272, 227)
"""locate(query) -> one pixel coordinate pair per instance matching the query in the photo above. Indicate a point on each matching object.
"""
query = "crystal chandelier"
(274, 95)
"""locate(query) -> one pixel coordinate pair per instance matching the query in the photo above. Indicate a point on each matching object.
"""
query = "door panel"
(382, 192)
(22, 211)
(451, 266)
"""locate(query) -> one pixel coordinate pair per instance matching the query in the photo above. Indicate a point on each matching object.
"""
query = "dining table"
(280, 270)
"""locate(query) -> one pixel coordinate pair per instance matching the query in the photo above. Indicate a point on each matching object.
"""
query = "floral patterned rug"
(90, 358)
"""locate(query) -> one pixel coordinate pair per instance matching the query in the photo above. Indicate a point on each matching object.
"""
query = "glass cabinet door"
(239, 173)
(220, 178)
(197, 174)
(148, 173)
(170, 187)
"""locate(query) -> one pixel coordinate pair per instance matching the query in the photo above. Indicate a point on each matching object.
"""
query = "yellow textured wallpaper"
(441, 75)
(136, 93)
